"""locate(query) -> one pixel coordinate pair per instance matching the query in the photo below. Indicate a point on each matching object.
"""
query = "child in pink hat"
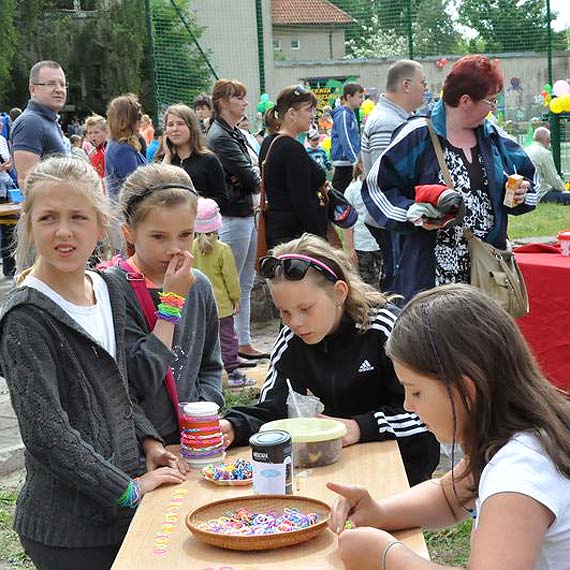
(216, 260)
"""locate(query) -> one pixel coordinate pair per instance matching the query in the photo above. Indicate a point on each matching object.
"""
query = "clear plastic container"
(316, 441)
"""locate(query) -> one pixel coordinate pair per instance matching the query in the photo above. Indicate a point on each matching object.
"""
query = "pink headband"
(312, 260)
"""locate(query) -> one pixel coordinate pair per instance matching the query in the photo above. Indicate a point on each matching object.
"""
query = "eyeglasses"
(52, 84)
(491, 102)
(294, 267)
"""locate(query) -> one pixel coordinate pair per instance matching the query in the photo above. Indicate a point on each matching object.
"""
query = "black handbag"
(339, 210)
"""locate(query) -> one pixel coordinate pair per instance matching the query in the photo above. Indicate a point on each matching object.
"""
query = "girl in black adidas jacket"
(333, 345)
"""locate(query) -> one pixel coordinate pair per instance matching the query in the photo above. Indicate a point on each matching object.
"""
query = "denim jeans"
(240, 234)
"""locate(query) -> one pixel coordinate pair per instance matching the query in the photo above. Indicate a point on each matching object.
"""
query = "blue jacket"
(345, 143)
(410, 159)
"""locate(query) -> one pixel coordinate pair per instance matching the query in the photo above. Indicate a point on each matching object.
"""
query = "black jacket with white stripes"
(351, 374)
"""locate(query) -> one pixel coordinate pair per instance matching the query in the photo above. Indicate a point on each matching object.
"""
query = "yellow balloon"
(326, 144)
(565, 102)
(367, 107)
(556, 105)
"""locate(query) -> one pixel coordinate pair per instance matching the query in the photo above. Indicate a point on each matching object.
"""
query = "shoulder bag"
(260, 214)
(495, 271)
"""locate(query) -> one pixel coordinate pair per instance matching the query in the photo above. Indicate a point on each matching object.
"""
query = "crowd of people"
(135, 261)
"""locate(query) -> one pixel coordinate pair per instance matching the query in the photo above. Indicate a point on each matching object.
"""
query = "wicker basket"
(257, 503)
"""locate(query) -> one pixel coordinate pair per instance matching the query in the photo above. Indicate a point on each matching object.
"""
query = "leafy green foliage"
(181, 70)
(8, 35)
(104, 52)
(509, 25)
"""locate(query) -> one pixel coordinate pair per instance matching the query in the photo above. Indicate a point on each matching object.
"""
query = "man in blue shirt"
(36, 132)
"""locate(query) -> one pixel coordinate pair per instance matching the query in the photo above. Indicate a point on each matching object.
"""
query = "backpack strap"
(137, 281)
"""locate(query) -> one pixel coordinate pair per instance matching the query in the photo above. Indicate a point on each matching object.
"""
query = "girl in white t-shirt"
(469, 375)
(62, 336)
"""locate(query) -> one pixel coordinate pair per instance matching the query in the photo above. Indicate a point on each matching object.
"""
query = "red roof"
(307, 12)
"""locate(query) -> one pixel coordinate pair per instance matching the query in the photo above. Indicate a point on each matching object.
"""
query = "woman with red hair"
(479, 157)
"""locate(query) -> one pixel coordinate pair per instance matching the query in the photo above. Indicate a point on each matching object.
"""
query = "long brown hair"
(455, 332)
(197, 142)
(361, 297)
(122, 115)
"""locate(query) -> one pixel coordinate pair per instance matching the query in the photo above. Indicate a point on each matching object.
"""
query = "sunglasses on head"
(294, 267)
(299, 90)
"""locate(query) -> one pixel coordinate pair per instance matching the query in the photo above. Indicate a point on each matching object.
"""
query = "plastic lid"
(201, 408)
(306, 430)
(564, 235)
(269, 438)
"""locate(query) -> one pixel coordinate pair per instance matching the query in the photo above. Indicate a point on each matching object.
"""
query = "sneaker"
(238, 380)
(243, 363)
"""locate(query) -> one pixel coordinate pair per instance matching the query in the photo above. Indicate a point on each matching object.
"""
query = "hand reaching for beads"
(228, 432)
(179, 276)
(161, 476)
(354, 505)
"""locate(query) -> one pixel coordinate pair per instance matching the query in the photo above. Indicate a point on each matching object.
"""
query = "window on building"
(277, 45)
(295, 44)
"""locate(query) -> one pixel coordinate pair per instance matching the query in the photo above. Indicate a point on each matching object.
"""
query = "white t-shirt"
(363, 240)
(96, 320)
(522, 466)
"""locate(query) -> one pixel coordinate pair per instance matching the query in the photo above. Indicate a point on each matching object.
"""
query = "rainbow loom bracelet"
(132, 495)
(170, 307)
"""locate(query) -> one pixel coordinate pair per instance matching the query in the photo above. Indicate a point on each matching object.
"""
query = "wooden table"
(9, 213)
(147, 546)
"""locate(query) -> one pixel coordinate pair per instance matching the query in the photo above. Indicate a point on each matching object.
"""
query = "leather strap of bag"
(439, 154)
(467, 232)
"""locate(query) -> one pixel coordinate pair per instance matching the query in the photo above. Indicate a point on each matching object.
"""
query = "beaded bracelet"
(170, 307)
(132, 495)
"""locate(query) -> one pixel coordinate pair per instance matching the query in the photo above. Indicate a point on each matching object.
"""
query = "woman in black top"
(184, 145)
(292, 177)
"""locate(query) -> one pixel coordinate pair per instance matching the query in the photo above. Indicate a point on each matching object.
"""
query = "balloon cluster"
(442, 62)
(264, 104)
(557, 96)
(365, 109)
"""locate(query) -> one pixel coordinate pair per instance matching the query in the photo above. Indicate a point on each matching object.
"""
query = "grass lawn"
(547, 220)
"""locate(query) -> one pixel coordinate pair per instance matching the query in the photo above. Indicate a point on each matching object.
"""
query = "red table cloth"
(547, 326)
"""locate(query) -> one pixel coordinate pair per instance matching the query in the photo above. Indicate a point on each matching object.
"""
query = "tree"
(8, 37)
(383, 28)
(181, 70)
(509, 25)
(375, 43)
(434, 31)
